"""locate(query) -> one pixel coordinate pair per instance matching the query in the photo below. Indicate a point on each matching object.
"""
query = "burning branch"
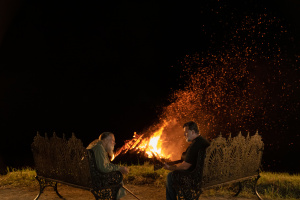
(145, 147)
(129, 144)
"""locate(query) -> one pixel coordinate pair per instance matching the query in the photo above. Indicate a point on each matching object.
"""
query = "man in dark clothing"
(189, 157)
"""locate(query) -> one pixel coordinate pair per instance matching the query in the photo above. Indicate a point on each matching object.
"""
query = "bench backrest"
(231, 159)
(61, 159)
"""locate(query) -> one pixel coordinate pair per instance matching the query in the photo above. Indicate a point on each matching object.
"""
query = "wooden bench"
(226, 161)
(58, 160)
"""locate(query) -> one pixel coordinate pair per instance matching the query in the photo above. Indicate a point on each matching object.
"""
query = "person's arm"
(183, 166)
(102, 161)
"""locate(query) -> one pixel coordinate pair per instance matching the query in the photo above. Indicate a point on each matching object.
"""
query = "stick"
(130, 192)
(158, 163)
(174, 162)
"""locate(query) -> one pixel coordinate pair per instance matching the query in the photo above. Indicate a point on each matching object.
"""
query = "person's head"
(108, 141)
(191, 131)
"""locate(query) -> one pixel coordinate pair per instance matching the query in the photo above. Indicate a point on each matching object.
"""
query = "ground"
(144, 192)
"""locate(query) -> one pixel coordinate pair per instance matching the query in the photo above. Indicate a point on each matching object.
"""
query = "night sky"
(94, 66)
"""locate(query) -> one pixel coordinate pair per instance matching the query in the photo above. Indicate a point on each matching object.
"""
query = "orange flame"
(150, 146)
(153, 145)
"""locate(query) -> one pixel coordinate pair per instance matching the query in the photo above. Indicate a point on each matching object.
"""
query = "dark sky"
(93, 66)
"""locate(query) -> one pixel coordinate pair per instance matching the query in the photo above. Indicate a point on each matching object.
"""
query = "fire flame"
(113, 157)
(150, 145)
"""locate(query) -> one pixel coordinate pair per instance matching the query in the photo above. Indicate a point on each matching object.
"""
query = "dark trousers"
(170, 192)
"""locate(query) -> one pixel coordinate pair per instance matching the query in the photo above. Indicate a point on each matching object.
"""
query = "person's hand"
(124, 170)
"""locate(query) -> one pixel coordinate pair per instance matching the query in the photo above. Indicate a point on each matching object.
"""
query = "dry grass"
(270, 185)
(19, 177)
(280, 185)
(145, 174)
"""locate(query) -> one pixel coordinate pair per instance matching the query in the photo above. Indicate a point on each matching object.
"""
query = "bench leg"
(41, 190)
(55, 189)
(255, 188)
(43, 184)
(240, 189)
(198, 195)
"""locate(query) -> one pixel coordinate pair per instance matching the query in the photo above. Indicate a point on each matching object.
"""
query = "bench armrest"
(101, 179)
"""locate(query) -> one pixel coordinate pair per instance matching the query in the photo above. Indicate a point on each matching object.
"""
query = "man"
(191, 133)
(102, 148)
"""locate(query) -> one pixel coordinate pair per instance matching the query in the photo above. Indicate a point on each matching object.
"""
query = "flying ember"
(230, 88)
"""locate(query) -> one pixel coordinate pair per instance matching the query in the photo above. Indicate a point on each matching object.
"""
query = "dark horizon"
(93, 67)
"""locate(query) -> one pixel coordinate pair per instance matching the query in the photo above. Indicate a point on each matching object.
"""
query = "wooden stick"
(130, 192)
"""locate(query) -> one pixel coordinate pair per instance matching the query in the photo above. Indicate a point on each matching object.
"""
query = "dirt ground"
(145, 192)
